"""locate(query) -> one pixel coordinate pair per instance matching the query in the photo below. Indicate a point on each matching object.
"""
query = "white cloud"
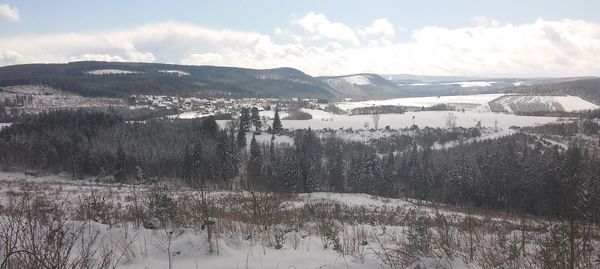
(540, 48)
(9, 12)
(321, 27)
(380, 27)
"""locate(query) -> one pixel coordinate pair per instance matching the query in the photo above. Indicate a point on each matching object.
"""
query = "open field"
(324, 120)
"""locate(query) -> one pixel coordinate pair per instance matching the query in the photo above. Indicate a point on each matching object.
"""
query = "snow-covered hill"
(365, 85)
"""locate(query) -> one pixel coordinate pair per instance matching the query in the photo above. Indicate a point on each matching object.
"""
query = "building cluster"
(214, 105)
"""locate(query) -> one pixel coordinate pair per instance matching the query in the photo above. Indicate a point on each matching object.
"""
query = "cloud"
(380, 27)
(9, 12)
(321, 27)
(539, 48)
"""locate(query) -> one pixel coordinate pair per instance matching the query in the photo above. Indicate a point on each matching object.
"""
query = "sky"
(464, 37)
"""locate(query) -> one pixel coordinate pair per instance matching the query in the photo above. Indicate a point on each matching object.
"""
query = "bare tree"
(376, 119)
(451, 120)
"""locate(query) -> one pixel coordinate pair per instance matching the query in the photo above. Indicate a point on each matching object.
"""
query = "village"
(218, 105)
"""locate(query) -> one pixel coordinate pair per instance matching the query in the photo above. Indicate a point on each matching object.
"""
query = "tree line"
(516, 173)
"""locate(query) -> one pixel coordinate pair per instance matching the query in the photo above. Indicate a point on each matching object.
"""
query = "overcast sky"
(476, 38)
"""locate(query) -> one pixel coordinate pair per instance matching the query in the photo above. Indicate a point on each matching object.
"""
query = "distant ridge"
(117, 79)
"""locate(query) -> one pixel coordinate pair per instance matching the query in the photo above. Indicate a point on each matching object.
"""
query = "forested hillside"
(112, 79)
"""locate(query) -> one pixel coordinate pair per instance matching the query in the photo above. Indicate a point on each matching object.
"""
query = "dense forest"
(150, 78)
(516, 173)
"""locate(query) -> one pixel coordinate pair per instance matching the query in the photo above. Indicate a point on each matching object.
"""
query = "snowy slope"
(111, 72)
(175, 72)
(365, 85)
(539, 103)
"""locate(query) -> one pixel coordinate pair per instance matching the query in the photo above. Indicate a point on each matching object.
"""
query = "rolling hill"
(363, 85)
(586, 88)
(111, 79)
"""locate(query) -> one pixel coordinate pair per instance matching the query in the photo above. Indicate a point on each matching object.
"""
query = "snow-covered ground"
(539, 103)
(236, 245)
(2, 125)
(358, 80)
(481, 101)
(478, 99)
(175, 72)
(110, 72)
(324, 120)
(190, 115)
(574, 103)
(471, 84)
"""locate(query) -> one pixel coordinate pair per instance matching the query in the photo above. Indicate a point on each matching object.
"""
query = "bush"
(298, 115)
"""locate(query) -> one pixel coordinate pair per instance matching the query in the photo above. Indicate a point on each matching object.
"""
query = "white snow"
(554, 103)
(191, 115)
(574, 103)
(478, 99)
(569, 103)
(400, 121)
(2, 125)
(470, 84)
(420, 84)
(111, 72)
(358, 79)
(175, 72)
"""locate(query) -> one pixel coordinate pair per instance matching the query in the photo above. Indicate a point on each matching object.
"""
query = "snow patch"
(574, 103)
(358, 80)
(179, 73)
(470, 84)
(111, 72)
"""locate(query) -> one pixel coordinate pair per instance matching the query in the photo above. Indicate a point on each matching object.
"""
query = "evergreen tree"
(120, 168)
(187, 166)
(241, 138)
(389, 174)
(277, 127)
(291, 173)
(255, 118)
(245, 119)
(356, 174)
(336, 171)
(255, 163)
(426, 174)
(198, 166)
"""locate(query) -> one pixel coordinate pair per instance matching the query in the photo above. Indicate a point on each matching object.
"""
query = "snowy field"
(480, 102)
(478, 99)
(324, 120)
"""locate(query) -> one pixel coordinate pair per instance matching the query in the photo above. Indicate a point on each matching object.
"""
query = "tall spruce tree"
(336, 171)
(255, 165)
(245, 119)
(277, 127)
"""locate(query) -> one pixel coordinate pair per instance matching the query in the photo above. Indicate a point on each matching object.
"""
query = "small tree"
(451, 120)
